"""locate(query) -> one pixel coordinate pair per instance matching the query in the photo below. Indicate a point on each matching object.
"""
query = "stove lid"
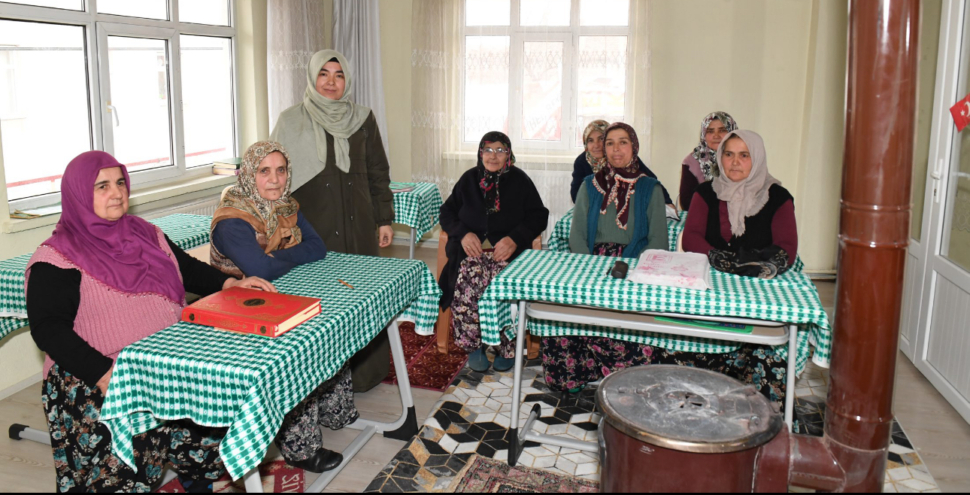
(688, 409)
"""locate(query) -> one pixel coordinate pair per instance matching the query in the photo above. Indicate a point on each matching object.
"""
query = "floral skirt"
(83, 459)
(473, 278)
(572, 362)
(330, 405)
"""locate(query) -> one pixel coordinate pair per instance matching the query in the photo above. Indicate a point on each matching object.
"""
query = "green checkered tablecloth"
(579, 279)
(248, 383)
(559, 239)
(8, 325)
(186, 231)
(418, 208)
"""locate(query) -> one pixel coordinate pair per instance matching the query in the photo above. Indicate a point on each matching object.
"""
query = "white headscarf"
(747, 197)
(340, 118)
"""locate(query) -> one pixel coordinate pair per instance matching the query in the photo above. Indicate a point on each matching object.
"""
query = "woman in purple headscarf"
(103, 280)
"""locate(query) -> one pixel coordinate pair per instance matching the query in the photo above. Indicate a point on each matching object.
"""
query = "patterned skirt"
(572, 362)
(81, 444)
(331, 405)
(473, 278)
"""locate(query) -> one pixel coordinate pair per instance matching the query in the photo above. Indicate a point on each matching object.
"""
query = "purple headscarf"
(123, 254)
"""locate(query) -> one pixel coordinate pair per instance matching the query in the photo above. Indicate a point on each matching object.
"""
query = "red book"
(252, 311)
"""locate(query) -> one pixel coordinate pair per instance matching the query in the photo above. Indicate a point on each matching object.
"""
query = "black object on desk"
(619, 270)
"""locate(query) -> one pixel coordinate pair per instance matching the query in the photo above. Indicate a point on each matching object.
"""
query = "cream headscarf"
(341, 118)
(748, 197)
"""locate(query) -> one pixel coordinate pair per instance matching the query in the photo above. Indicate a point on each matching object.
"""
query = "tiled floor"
(473, 415)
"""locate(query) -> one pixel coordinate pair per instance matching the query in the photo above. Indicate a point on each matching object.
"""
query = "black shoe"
(322, 460)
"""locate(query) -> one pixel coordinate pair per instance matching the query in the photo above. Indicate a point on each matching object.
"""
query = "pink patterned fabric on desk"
(670, 269)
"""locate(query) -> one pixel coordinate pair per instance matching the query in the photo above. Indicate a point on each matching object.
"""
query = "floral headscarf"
(706, 157)
(267, 217)
(595, 126)
(617, 182)
(489, 181)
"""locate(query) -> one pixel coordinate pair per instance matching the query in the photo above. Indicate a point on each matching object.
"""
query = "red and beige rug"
(428, 368)
(484, 475)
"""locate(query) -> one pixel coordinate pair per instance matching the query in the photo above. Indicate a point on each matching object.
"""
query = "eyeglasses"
(500, 151)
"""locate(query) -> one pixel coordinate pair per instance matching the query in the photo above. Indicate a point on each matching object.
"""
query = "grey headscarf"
(748, 197)
(340, 118)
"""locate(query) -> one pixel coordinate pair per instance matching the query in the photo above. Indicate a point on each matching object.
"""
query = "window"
(541, 70)
(150, 82)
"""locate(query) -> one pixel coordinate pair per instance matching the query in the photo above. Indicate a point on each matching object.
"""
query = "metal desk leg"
(411, 245)
(790, 375)
(517, 387)
(24, 432)
(252, 481)
(404, 428)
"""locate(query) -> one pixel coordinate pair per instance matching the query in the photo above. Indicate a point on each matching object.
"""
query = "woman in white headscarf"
(341, 179)
(743, 220)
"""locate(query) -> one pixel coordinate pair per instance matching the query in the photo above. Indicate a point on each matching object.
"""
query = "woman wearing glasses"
(493, 214)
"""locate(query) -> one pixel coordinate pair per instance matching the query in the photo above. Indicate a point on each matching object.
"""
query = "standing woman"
(102, 281)
(493, 214)
(593, 159)
(341, 178)
(700, 165)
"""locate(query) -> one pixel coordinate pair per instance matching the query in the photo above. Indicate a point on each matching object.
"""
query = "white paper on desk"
(669, 269)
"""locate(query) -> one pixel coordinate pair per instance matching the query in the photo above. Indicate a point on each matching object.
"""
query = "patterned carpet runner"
(428, 368)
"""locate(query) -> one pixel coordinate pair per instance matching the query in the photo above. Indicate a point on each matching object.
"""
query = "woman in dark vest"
(743, 220)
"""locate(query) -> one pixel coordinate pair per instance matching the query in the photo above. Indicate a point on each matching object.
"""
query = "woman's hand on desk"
(103, 382)
(504, 249)
(249, 283)
(472, 244)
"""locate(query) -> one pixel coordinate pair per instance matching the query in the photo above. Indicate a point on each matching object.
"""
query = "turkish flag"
(961, 113)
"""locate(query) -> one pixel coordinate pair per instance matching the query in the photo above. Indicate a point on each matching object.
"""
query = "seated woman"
(700, 165)
(493, 214)
(102, 265)
(743, 220)
(258, 229)
(619, 212)
(593, 159)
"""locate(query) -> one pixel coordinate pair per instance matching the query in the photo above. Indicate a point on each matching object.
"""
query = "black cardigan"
(53, 298)
(522, 218)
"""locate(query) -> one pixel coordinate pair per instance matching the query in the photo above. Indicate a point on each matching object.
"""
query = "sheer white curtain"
(295, 31)
(538, 70)
(357, 34)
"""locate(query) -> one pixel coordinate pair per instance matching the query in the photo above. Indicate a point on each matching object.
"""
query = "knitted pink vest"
(109, 319)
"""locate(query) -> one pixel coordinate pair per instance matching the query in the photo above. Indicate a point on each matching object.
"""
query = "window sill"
(138, 197)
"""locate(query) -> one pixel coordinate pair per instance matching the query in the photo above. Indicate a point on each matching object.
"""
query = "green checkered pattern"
(418, 208)
(8, 325)
(579, 279)
(248, 383)
(186, 231)
(559, 239)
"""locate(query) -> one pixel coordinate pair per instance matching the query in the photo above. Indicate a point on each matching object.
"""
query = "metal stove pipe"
(879, 134)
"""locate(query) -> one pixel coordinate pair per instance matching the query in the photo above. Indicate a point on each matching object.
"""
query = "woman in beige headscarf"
(341, 178)
(743, 220)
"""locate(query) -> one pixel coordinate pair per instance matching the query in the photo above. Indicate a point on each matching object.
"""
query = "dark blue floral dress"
(82, 444)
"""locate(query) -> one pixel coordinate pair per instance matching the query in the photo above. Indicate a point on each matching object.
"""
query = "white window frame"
(97, 27)
(569, 35)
